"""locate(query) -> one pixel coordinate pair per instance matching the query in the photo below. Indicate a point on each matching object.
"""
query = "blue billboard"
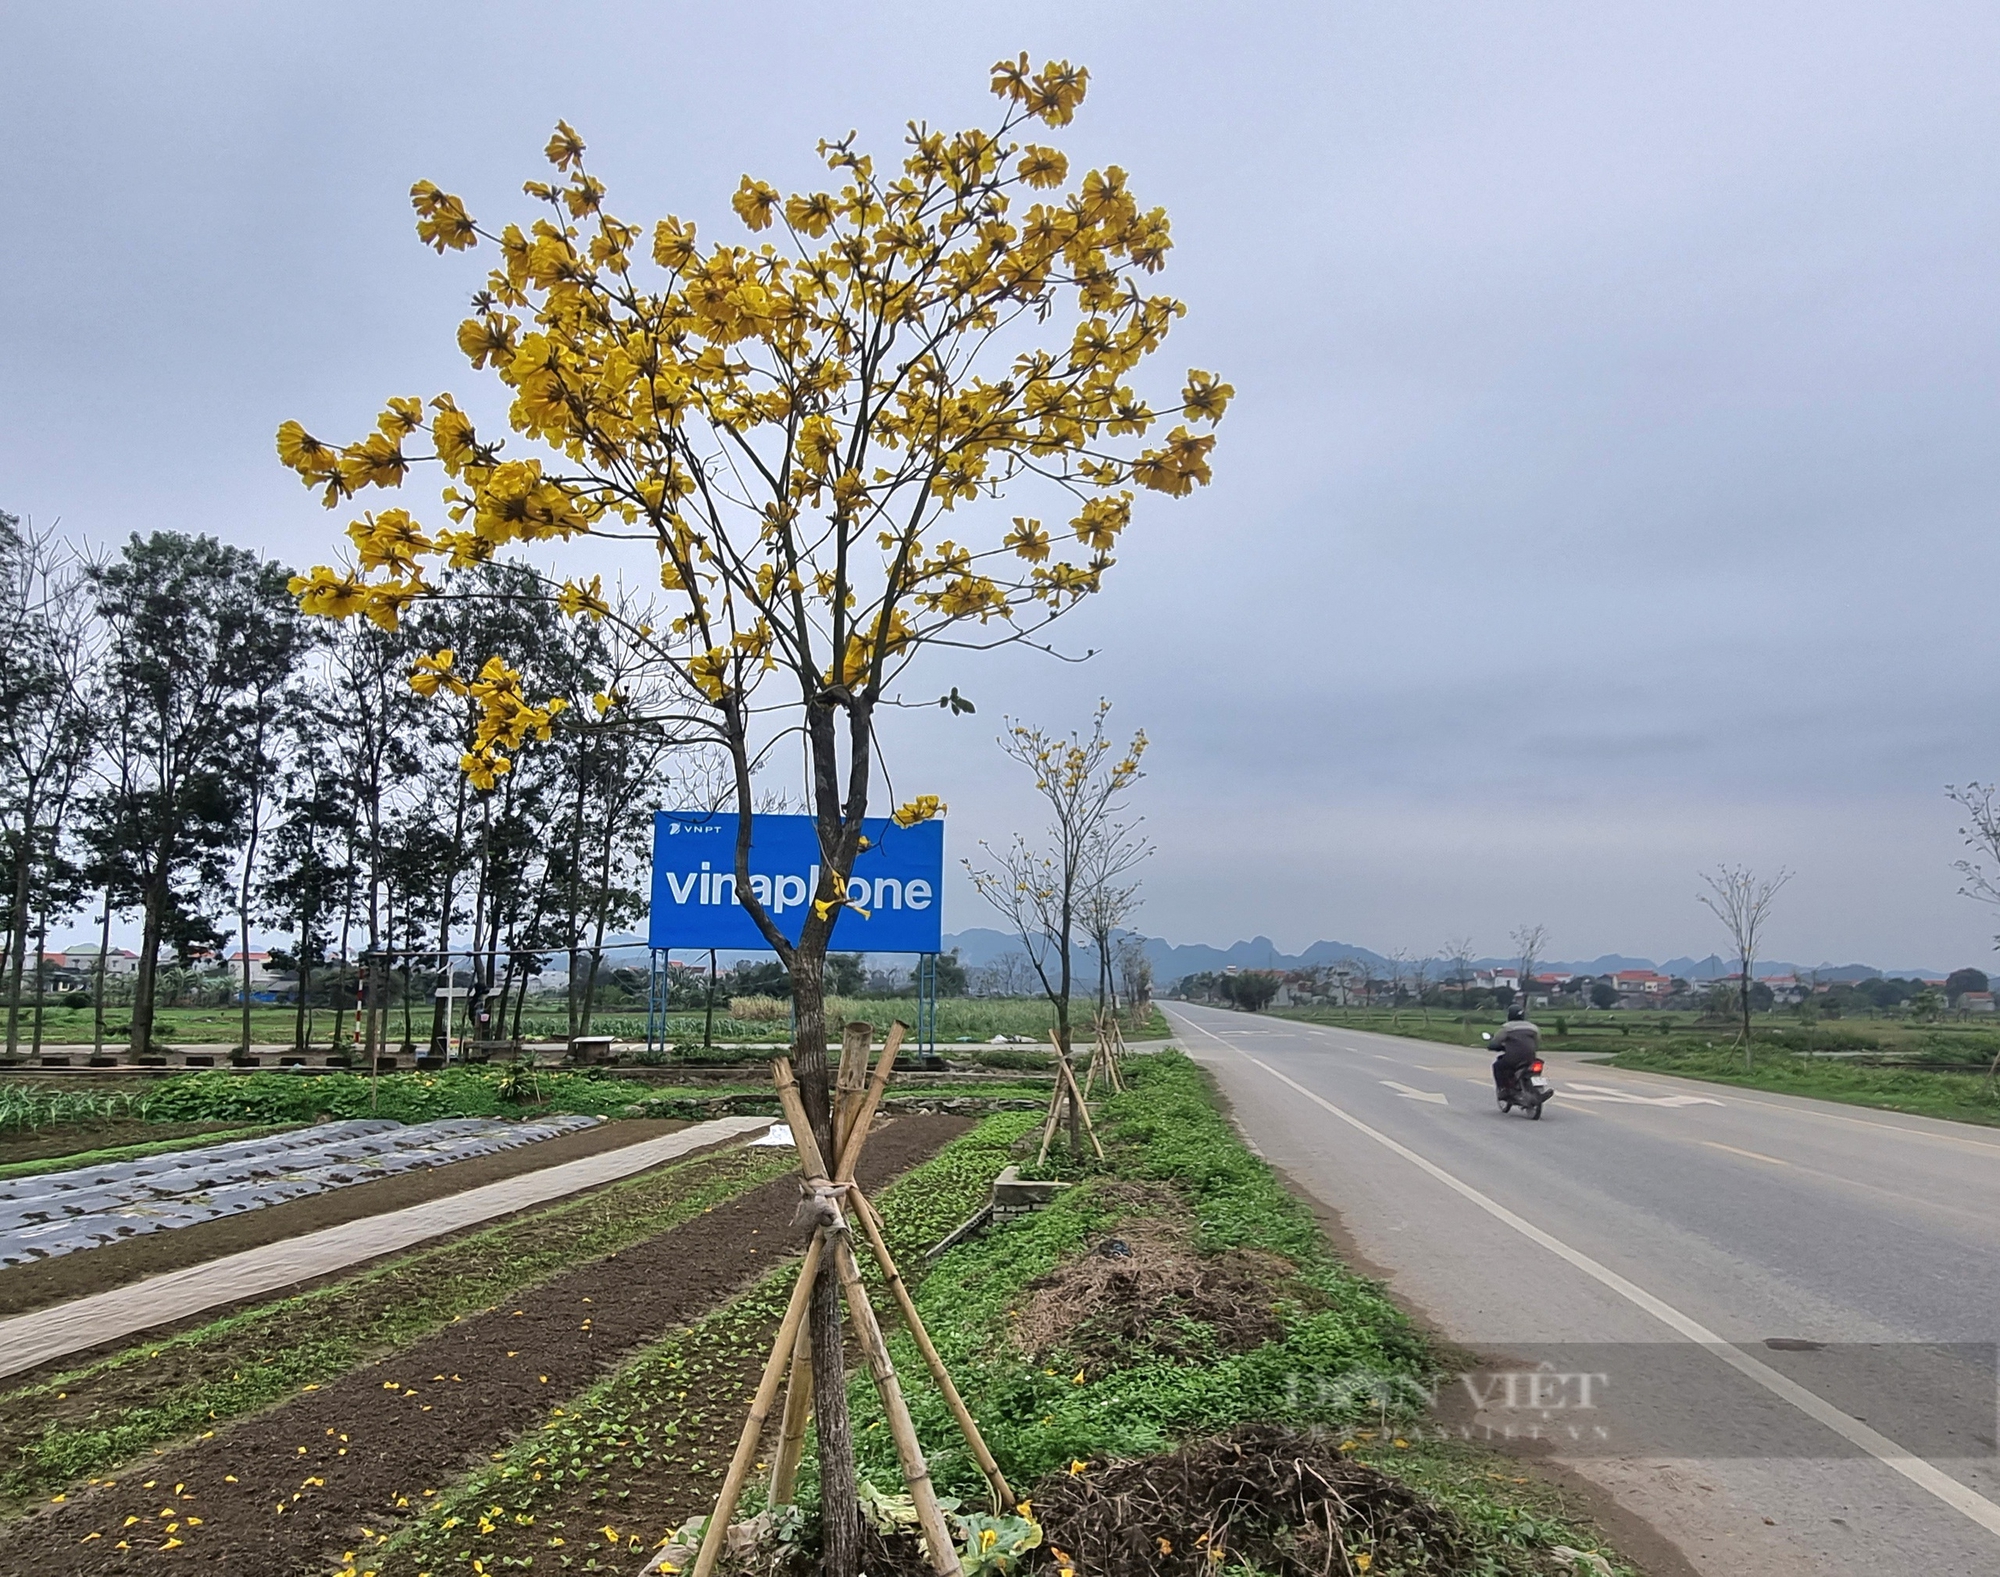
(895, 895)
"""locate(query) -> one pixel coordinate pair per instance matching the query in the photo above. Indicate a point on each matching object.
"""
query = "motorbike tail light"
(1535, 1066)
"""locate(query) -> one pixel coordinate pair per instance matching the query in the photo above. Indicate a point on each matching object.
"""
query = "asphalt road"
(1764, 1325)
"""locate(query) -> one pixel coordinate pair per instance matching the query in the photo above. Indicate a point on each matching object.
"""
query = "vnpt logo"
(787, 890)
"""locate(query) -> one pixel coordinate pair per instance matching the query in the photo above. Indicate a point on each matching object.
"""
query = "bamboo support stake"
(798, 1413)
(803, 1138)
(760, 1409)
(942, 1547)
(916, 1473)
(1083, 1106)
(1066, 1074)
(1055, 1112)
(871, 1224)
(850, 1152)
(855, 1040)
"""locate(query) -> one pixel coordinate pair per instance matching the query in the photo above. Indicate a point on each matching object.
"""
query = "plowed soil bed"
(76, 1138)
(289, 1491)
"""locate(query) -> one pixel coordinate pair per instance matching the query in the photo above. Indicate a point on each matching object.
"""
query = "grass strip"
(1040, 1416)
(221, 1095)
(1166, 1129)
(1921, 1092)
(136, 1152)
(57, 1432)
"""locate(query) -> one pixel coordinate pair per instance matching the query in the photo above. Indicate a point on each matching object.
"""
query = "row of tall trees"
(179, 746)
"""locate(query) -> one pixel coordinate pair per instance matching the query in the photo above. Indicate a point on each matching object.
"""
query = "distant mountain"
(981, 945)
(1171, 961)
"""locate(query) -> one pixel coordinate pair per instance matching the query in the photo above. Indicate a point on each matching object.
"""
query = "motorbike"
(1530, 1089)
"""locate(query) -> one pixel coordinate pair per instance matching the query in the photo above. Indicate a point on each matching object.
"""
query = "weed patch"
(222, 1096)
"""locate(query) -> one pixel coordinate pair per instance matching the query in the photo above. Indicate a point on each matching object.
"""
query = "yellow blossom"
(795, 421)
(923, 808)
(575, 600)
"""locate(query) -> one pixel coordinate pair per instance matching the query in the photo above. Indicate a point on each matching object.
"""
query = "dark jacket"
(1519, 1044)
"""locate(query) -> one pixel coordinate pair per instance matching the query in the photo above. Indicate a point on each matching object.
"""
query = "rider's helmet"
(1516, 1013)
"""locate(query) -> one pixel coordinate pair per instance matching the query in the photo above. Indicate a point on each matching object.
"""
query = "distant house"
(1497, 980)
(1975, 1001)
(1786, 990)
(83, 959)
(261, 972)
(1637, 987)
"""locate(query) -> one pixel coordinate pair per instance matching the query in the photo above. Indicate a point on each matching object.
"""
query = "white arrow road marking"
(1598, 1092)
(1409, 1094)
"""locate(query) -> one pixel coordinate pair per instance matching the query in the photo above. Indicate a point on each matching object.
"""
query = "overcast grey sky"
(1609, 490)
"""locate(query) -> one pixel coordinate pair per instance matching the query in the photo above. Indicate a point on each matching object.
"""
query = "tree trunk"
(409, 1030)
(346, 933)
(41, 977)
(17, 928)
(302, 1009)
(250, 864)
(520, 1002)
(595, 955)
(97, 993)
(1747, 1057)
(441, 1007)
(145, 987)
(840, 1519)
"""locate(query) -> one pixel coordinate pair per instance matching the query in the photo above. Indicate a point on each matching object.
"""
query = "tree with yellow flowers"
(812, 430)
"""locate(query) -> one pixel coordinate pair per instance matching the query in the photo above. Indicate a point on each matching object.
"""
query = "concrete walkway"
(27, 1340)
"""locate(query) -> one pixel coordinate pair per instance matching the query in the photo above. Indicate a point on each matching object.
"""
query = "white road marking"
(1750, 1154)
(1601, 1092)
(1409, 1094)
(1896, 1458)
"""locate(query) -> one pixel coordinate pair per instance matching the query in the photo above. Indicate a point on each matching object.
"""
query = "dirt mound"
(1259, 1497)
(1146, 1288)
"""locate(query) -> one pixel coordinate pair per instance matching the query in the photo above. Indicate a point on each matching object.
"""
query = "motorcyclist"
(1519, 1044)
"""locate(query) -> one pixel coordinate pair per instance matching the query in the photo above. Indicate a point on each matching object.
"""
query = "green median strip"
(57, 1432)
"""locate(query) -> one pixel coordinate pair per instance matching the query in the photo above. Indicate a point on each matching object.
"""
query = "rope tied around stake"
(820, 1207)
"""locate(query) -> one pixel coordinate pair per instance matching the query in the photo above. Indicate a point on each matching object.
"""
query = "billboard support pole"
(708, 1027)
(927, 1003)
(656, 1029)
